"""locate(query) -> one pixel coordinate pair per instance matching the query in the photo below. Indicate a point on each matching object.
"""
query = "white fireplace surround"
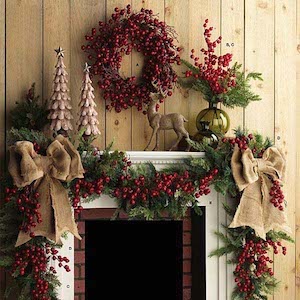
(219, 278)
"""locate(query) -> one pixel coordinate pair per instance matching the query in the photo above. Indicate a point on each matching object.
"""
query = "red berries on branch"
(215, 69)
(277, 196)
(27, 203)
(34, 260)
(123, 33)
(253, 264)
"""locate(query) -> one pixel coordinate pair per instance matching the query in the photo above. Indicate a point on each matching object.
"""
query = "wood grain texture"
(297, 232)
(259, 53)
(23, 49)
(2, 85)
(266, 38)
(141, 131)
(119, 125)
(85, 15)
(2, 113)
(56, 33)
(233, 37)
(177, 15)
(199, 10)
(285, 130)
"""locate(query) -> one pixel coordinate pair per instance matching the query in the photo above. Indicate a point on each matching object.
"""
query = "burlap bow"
(62, 162)
(252, 176)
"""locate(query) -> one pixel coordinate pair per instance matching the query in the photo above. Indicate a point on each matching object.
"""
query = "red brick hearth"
(106, 213)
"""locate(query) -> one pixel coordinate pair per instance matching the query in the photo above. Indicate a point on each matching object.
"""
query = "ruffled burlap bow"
(62, 163)
(253, 177)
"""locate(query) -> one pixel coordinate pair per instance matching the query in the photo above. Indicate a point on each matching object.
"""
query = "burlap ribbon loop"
(61, 163)
(253, 177)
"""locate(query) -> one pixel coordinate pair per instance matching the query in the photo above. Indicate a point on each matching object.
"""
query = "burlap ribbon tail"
(61, 163)
(254, 177)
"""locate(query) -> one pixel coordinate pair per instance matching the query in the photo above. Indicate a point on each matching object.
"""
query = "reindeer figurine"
(159, 122)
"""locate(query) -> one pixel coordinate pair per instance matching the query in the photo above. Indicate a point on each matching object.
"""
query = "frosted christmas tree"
(88, 114)
(60, 107)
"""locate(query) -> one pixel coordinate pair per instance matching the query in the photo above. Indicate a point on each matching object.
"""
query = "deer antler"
(159, 89)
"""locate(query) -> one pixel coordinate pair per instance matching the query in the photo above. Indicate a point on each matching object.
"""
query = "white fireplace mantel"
(219, 278)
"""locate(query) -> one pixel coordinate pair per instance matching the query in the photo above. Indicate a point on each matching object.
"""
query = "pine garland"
(145, 193)
(30, 113)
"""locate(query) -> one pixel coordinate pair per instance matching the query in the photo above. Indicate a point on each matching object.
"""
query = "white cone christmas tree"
(60, 107)
(88, 114)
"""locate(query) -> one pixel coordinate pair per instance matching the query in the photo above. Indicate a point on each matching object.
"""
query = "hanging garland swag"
(246, 162)
(124, 32)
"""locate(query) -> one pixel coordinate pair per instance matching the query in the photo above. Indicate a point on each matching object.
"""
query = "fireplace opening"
(134, 259)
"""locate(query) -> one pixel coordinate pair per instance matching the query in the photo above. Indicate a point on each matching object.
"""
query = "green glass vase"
(217, 119)
(206, 135)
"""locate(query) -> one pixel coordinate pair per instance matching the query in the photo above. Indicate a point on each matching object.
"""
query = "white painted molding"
(218, 283)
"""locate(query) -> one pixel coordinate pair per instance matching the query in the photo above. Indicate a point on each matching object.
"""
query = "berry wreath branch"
(126, 31)
(145, 193)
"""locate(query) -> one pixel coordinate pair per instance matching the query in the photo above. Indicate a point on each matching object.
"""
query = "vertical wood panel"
(199, 11)
(2, 113)
(56, 32)
(177, 15)
(23, 49)
(298, 157)
(141, 131)
(119, 125)
(84, 16)
(232, 31)
(28, 62)
(285, 129)
(2, 84)
(259, 57)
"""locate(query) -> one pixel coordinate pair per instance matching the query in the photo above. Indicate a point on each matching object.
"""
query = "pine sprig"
(30, 113)
(239, 95)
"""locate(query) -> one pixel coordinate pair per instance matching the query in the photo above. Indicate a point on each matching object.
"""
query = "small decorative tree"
(88, 114)
(60, 107)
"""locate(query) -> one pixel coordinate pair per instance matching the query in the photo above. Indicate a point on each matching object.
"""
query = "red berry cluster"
(137, 191)
(215, 69)
(27, 202)
(141, 190)
(83, 189)
(124, 32)
(243, 143)
(252, 264)
(62, 261)
(36, 147)
(276, 193)
(34, 259)
(9, 193)
(205, 182)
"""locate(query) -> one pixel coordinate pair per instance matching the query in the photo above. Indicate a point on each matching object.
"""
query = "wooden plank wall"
(260, 33)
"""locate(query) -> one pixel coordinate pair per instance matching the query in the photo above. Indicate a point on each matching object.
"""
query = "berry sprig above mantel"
(215, 79)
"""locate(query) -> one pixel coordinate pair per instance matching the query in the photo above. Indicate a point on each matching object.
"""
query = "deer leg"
(187, 137)
(152, 135)
(149, 140)
(157, 141)
(174, 146)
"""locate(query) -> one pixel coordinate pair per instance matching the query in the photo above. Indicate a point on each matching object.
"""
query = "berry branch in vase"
(215, 79)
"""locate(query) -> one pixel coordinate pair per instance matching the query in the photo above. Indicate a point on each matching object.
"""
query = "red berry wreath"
(124, 32)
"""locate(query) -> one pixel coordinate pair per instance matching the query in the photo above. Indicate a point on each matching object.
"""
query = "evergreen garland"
(145, 193)
(30, 113)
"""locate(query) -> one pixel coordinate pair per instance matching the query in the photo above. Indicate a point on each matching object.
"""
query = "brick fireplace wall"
(106, 213)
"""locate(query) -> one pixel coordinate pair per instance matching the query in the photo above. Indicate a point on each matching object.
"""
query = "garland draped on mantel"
(143, 192)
